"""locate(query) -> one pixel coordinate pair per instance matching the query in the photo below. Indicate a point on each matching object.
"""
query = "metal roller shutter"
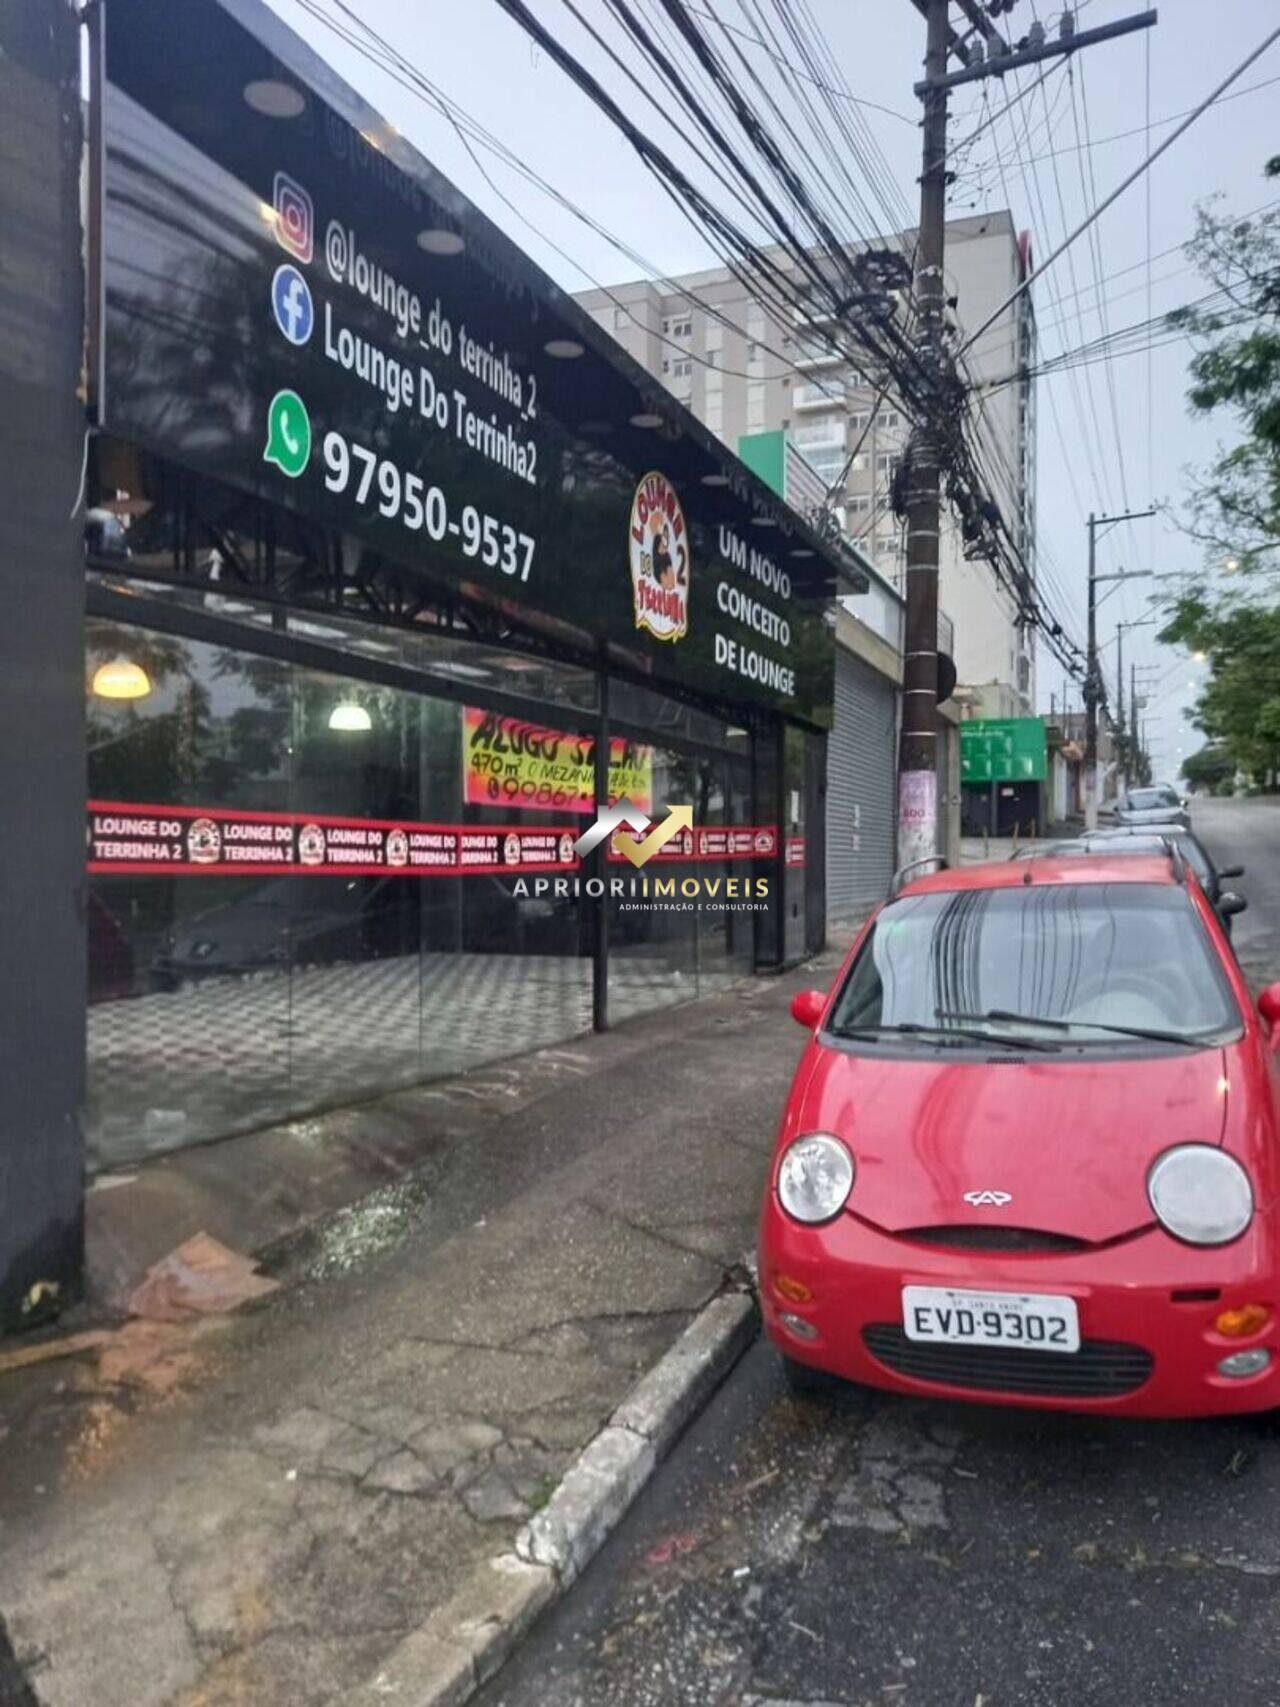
(861, 753)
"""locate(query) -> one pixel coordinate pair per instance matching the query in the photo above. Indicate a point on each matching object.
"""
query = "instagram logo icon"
(295, 222)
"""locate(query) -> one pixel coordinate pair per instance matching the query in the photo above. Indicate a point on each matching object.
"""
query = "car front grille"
(989, 1237)
(1101, 1369)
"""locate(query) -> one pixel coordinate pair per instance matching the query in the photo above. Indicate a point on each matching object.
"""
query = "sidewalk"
(262, 1508)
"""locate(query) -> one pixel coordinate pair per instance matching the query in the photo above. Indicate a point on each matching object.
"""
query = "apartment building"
(743, 371)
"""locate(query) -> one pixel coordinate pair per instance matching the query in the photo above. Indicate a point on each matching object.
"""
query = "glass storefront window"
(220, 1003)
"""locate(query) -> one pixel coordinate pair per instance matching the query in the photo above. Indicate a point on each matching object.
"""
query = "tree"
(1211, 768)
(1235, 511)
(1239, 706)
(1236, 366)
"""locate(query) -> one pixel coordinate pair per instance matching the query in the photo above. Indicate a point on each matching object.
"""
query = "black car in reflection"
(294, 922)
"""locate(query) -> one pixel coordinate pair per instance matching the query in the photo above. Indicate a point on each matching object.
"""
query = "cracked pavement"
(259, 1509)
(859, 1548)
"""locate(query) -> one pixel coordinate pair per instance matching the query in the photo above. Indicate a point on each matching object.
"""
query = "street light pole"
(1093, 690)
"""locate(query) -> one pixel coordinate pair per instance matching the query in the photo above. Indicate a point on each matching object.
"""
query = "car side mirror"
(1231, 871)
(1230, 904)
(1269, 1004)
(807, 1006)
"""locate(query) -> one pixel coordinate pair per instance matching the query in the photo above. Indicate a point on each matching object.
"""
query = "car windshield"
(1146, 799)
(1090, 961)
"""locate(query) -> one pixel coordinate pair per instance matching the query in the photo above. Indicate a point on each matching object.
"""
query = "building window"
(887, 418)
(621, 319)
(678, 327)
(861, 421)
(826, 461)
(887, 461)
(679, 368)
(858, 504)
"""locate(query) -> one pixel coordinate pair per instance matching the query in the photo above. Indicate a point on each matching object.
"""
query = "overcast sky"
(483, 62)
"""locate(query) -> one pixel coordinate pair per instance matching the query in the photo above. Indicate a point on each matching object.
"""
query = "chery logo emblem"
(988, 1199)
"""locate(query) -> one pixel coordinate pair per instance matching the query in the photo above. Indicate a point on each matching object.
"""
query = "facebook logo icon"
(291, 304)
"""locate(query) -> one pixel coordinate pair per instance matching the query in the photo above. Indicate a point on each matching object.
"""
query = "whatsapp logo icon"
(288, 434)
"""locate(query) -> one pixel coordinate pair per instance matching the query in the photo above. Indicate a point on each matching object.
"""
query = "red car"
(1031, 1154)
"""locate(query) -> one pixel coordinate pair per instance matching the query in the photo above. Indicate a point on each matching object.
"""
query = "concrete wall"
(42, 775)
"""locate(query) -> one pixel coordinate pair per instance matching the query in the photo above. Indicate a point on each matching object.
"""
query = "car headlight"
(815, 1178)
(1201, 1194)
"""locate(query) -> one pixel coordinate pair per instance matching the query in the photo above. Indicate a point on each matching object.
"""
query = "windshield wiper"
(962, 1034)
(1146, 1031)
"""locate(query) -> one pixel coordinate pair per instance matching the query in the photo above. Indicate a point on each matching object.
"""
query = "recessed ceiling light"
(563, 349)
(715, 479)
(764, 521)
(801, 551)
(273, 99)
(437, 241)
(646, 419)
(597, 429)
(351, 716)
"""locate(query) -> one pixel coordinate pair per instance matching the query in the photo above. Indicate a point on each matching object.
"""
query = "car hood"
(1151, 814)
(1070, 1141)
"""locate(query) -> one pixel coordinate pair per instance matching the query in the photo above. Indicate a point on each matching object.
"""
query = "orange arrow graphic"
(678, 818)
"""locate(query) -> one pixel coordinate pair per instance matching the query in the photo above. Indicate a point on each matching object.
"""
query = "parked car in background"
(1156, 839)
(1210, 876)
(1159, 804)
(1031, 1154)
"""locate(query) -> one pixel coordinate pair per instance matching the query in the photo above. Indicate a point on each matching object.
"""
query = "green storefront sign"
(1002, 749)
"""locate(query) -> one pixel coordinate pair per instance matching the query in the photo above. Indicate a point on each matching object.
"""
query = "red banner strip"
(198, 841)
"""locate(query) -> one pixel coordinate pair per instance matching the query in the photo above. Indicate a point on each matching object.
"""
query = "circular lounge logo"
(659, 553)
(204, 842)
(311, 845)
(397, 848)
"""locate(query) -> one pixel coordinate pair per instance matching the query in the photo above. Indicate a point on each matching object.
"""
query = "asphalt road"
(868, 1549)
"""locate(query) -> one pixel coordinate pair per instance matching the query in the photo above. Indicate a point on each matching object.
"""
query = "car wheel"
(803, 1380)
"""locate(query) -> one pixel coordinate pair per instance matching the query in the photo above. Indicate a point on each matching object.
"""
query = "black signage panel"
(297, 304)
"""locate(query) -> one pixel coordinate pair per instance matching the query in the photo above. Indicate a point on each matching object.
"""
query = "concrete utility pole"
(1131, 752)
(1094, 694)
(982, 52)
(917, 751)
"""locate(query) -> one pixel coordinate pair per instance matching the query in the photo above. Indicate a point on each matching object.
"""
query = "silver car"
(1159, 804)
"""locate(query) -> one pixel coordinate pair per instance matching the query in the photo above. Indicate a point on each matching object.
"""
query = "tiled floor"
(177, 1068)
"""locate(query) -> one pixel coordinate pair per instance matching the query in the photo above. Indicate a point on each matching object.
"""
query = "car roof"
(1061, 869)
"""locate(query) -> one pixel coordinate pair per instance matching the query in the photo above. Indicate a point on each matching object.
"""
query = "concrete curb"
(465, 1641)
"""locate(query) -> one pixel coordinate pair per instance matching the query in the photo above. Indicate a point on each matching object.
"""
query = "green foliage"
(1212, 768)
(1236, 366)
(1236, 509)
(1239, 707)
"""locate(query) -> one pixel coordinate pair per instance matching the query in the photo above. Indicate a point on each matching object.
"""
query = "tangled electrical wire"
(791, 180)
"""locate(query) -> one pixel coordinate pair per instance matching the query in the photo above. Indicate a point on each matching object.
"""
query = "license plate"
(1021, 1321)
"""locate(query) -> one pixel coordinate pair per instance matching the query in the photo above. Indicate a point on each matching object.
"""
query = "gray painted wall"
(42, 771)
